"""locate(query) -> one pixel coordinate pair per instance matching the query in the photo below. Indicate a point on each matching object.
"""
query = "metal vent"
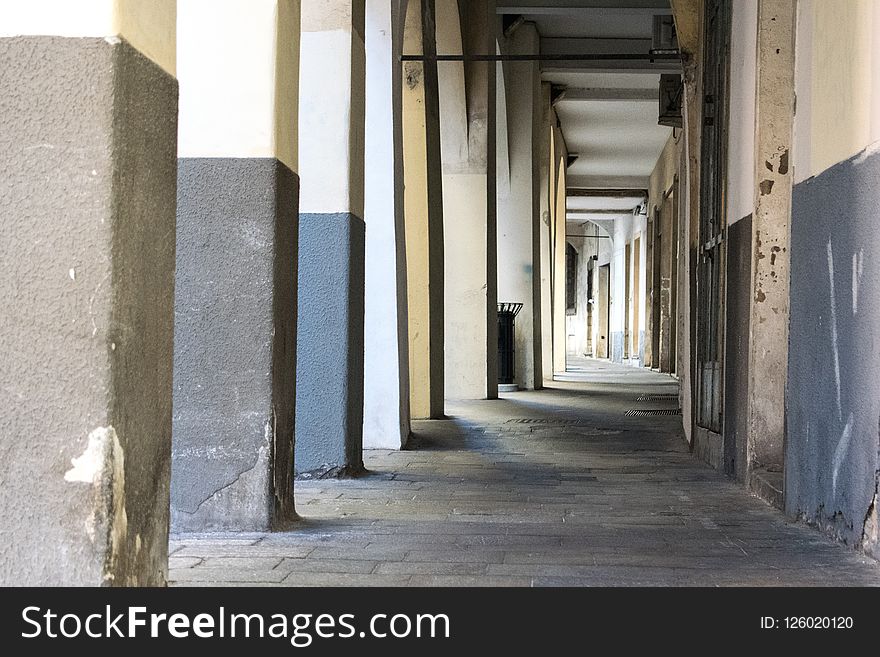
(653, 411)
(670, 398)
(541, 420)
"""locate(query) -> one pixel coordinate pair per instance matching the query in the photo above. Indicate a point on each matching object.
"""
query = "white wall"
(741, 126)
(330, 136)
(577, 325)
(148, 26)
(519, 118)
(625, 228)
(386, 383)
(837, 82)
(237, 63)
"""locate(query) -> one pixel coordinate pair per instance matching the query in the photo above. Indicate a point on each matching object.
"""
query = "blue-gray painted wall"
(330, 345)
(833, 400)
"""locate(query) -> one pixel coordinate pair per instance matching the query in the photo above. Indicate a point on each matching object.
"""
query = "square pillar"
(88, 155)
(386, 354)
(235, 310)
(330, 349)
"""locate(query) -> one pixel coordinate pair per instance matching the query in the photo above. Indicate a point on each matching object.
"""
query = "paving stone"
(431, 568)
(476, 500)
(351, 566)
(208, 574)
(469, 581)
(336, 579)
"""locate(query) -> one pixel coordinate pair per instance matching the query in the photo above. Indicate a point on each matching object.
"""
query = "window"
(571, 261)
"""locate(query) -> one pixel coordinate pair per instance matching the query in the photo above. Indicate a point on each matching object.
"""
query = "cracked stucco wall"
(330, 345)
(833, 401)
(88, 159)
(771, 219)
(235, 344)
(832, 455)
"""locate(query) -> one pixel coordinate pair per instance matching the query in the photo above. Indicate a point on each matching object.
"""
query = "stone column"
(469, 214)
(386, 353)
(519, 210)
(330, 351)
(423, 210)
(558, 217)
(88, 100)
(771, 231)
(235, 319)
(546, 234)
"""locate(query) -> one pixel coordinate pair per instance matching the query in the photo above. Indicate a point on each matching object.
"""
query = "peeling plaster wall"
(235, 344)
(833, 401)
(88, 160)
(832, 451)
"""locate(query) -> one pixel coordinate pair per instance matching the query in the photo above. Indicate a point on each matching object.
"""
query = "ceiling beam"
(577, 211)
(603, 94)
(643, 65)
(589, 8)
(637, 184)
(607, 193)
(565, 45)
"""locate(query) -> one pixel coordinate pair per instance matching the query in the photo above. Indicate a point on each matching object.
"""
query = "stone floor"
(550, 488)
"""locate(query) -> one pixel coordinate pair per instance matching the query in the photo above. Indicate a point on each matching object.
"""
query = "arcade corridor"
(255, 253)
(550, 488)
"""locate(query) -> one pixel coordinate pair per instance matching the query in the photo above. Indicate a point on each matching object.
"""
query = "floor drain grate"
(541, 420)
(670, 397)
(653, 411)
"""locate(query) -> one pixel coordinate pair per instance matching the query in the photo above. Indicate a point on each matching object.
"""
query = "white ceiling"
(624, 204)
(613, 138)
(617, 141)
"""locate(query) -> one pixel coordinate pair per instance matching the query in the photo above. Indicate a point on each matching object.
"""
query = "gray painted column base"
(832, 447)
(330, 346)
(235, 345)
(88, 142)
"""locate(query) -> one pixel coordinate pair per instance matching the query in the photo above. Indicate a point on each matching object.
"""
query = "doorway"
(711, 245)
(604, 303)
(636, 291)
(656, 252)
(627, 300)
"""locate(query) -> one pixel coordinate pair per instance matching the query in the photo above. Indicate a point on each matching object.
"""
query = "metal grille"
(671, 398)
(537, 420)
(653, 412)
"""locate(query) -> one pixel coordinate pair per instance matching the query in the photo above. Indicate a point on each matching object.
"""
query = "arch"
(452, 88)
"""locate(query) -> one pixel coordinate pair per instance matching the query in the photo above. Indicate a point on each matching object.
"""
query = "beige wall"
(558, 221)
(741, 122)
(464, 222)
(661, 181)
(548, 176)
(238, 63)
(837, 82)
(331, 124)
(287, 45)
(416, 213)
(148, 26)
